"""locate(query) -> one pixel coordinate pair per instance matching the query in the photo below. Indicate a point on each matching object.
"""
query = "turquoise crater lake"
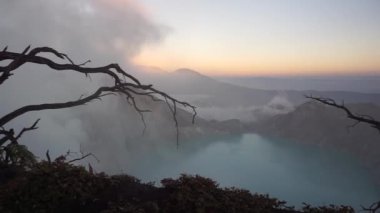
(289, 171)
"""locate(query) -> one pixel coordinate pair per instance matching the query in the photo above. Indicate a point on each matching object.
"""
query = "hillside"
(317, 124)
(205, 91)
(364, 84)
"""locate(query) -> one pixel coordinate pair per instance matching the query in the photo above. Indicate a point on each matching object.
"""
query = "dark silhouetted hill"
(325, 126)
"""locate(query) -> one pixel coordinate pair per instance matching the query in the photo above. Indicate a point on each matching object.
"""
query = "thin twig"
(358, 118)
(124, 83)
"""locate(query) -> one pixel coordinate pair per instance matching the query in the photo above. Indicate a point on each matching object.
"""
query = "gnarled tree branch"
(356, 117)
(124, 84)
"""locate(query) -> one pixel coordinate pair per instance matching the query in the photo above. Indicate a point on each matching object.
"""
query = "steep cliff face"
(325, 126)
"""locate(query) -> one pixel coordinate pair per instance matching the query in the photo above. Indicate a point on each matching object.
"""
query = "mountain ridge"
(186, 81)
(327, 127)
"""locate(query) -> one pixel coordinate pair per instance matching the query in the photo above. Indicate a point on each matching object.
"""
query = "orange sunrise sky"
(289, 37)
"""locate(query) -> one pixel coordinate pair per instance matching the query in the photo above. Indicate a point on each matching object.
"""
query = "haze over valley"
(246, 67)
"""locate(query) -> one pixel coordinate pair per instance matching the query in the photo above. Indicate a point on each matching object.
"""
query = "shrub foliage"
(62, 187)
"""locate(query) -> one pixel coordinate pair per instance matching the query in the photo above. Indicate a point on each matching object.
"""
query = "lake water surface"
(291, 172)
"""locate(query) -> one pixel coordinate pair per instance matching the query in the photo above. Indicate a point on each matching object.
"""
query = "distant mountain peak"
(187, 71)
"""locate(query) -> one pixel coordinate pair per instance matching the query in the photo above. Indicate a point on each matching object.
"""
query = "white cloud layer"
(103, 31)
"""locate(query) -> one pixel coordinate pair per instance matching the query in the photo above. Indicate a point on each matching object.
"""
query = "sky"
(265, 37)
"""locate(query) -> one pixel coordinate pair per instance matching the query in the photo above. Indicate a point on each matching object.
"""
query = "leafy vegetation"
(59, 186)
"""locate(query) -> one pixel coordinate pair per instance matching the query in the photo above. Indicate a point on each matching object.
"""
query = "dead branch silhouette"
(358, 118)
(124, 84)
(373, 208)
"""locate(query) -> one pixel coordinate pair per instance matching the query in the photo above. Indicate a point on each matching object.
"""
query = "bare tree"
(124, 84)
(358, 118)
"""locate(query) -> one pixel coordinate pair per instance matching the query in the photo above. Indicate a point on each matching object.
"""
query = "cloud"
(279, 104)
(114, 29)
(103, 31)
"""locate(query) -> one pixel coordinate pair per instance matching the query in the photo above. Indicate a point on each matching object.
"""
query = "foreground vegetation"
(59, 186)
